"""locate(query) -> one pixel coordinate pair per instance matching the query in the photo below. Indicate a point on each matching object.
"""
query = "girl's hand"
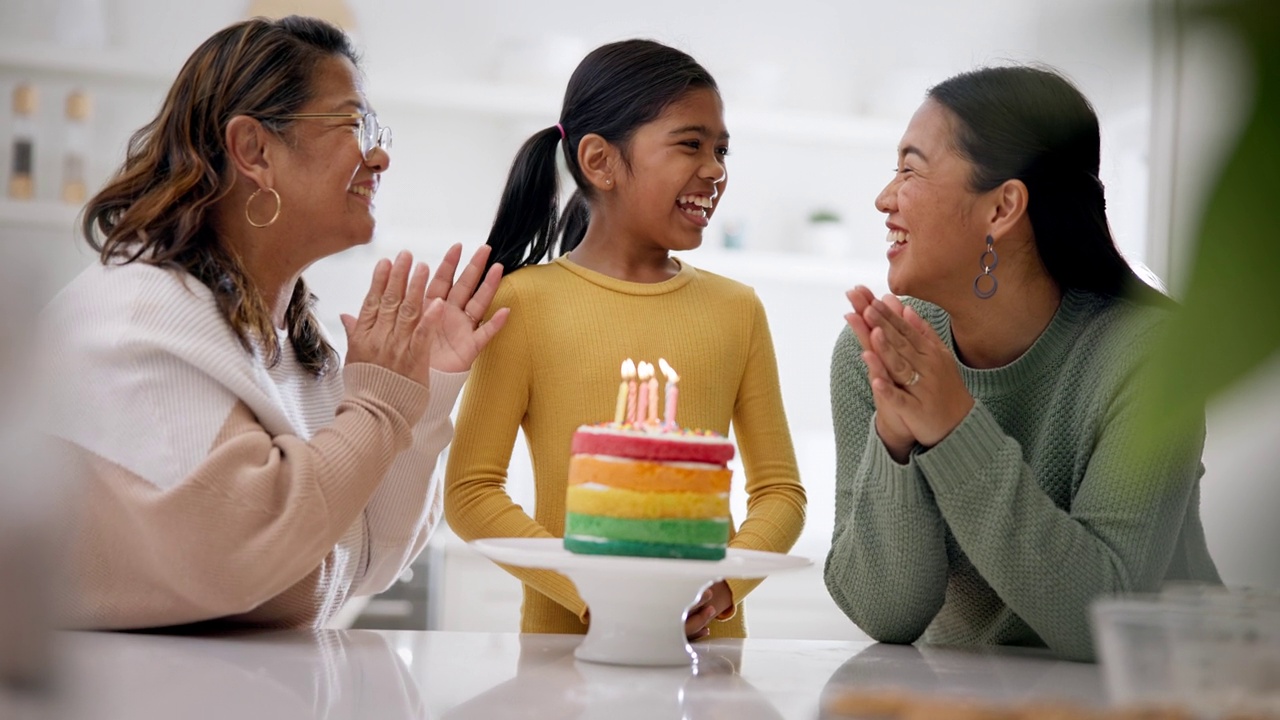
(893, 431)
(459, 336)
(394, 330)
(917, 377)
(715, 600)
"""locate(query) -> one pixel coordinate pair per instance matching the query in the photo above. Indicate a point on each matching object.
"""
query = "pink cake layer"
(655, 445)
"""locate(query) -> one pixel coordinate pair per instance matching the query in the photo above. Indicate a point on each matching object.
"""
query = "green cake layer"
(667, 531)
(598, 546)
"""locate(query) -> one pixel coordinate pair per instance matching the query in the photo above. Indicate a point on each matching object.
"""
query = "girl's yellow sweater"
(555, 366)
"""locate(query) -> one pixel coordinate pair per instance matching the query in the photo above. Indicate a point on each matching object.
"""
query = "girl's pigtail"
(524, 228)
(573, 221)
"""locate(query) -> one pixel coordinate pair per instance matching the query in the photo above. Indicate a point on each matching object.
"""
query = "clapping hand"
(410, 327)
(919, 394)
(460, 334)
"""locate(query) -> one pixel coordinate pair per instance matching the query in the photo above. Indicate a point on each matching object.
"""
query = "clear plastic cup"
(1213, 651)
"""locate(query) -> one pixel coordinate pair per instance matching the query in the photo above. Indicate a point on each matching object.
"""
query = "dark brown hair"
(614, 90)
(1034, 125)
(157, 207)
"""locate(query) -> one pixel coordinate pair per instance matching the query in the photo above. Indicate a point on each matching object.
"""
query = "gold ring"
(473, 320)
(915, 378)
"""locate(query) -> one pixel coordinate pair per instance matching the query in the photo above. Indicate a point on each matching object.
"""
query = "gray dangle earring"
(987, 262)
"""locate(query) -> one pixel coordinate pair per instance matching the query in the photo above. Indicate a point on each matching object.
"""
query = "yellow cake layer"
(613, 502)
(656, 477)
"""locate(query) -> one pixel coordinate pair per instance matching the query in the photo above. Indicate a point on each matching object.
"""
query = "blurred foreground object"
(32, 485)
(1229, 324)
(1212, 651)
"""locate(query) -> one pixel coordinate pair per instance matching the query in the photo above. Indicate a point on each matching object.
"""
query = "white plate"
(549, 553)
(637, 604)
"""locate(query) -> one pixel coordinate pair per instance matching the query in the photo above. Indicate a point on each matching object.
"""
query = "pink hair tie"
(561, 129)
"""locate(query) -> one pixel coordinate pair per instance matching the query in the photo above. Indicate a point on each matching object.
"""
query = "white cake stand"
(637, 604)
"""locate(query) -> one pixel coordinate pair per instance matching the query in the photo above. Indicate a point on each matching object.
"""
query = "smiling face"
(677, 173)
(937, 226)
(326, 186)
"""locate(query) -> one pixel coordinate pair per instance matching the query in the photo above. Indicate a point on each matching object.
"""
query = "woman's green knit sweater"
(1036, 504)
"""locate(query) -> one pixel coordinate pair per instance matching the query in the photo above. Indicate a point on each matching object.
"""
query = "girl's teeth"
(895, 236)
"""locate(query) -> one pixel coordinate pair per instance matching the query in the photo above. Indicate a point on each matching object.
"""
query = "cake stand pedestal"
(637, 604)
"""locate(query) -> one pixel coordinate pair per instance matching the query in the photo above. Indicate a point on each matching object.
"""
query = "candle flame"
(628, 369)
(668, 371)
(646, 370)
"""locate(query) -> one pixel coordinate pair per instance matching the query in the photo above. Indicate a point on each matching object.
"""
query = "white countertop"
(392, 675)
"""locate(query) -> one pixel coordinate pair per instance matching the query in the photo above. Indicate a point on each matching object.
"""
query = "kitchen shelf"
(472, 97)
(38, 215)
(78, 62)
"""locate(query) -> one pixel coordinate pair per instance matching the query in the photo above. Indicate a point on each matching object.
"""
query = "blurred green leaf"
(1229, 321)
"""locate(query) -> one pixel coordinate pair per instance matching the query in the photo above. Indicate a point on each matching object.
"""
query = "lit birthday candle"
(653, 397)
(645, 373)
(669, 414)
(628, 373)
(631, 395)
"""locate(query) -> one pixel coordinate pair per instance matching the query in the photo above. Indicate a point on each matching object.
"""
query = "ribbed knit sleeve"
(255, 519)
(775, 498)
(408, 503)
(1046, 562)
(887, 567)
(494, 404)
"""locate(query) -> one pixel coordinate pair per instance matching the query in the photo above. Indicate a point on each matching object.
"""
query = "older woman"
(233, 470)
(987, 487)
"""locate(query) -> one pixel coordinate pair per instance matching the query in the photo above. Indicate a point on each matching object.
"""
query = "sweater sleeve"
(775, 498)
(887, 567)
(476, 502)
(408, 503)
(254, 517)
(1047, 563)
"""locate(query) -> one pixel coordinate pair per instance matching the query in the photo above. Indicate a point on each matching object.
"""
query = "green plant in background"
(822, 215)
(1229, 321)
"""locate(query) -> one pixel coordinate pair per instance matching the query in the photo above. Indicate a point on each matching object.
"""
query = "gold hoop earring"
(274, 217)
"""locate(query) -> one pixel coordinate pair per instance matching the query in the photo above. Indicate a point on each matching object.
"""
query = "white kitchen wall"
(816, 95)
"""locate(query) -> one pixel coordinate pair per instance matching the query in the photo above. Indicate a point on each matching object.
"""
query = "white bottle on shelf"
(75, 151)
(22, 185)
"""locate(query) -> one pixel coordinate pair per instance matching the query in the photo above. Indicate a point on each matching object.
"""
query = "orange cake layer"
(648, 476)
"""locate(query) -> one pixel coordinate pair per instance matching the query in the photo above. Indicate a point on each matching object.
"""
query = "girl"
(644, 138)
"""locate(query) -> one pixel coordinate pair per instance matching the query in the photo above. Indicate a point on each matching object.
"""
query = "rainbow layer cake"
(650, 491)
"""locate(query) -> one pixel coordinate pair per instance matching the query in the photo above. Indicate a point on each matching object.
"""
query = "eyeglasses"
(369, 132)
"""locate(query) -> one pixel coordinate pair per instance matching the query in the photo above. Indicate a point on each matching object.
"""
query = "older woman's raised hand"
(459, 334)
(394, 329)
(913, 374)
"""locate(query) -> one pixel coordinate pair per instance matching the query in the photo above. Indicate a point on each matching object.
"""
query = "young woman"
(643, 135)
(233, 470)
(987, 487)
